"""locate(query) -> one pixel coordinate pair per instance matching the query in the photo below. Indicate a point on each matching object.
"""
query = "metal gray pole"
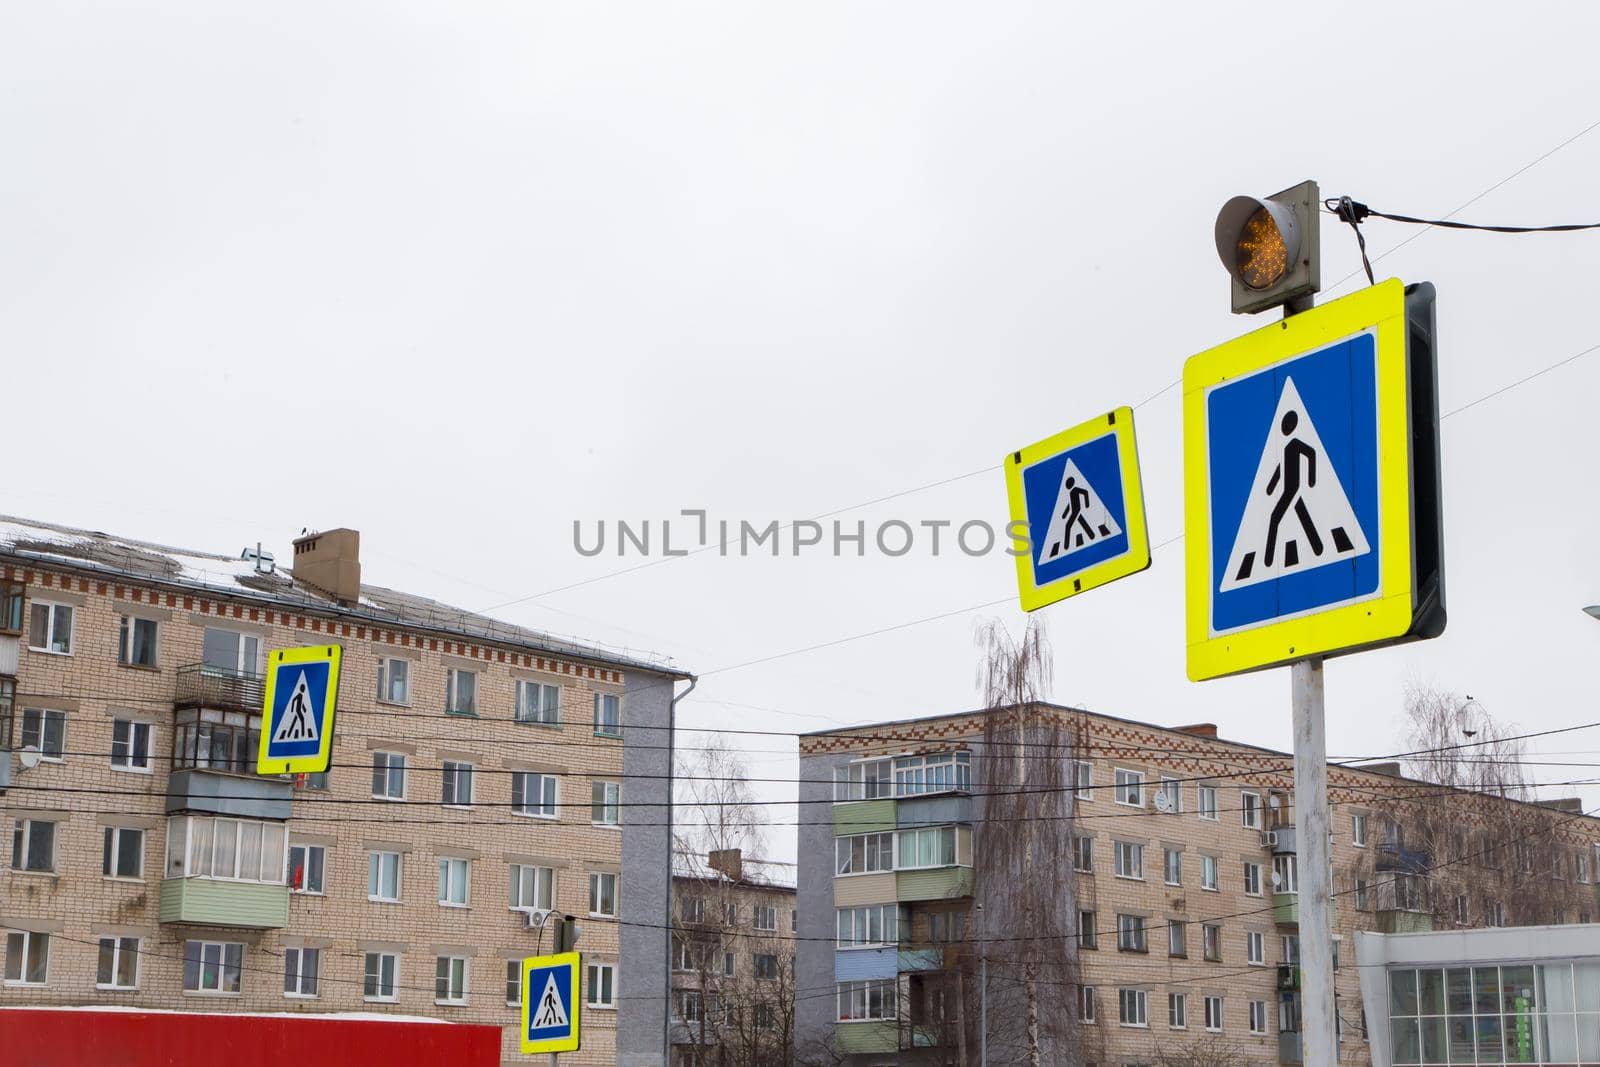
(983, 990)
(1316, 891)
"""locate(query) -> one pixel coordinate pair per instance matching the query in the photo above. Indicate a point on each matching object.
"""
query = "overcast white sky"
(458, 274)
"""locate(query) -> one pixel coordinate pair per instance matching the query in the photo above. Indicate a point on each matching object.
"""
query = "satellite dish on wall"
(1277, 880)
(1163, 802)
(29, 757)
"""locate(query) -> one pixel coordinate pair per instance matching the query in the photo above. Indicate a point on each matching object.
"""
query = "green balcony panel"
(920, 959)
(937, 883)
(1404, 922)
(209, 903)
(867, 1037)
(863, 817)
(1286, 908)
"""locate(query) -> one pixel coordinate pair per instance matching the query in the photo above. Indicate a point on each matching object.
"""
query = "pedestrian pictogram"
(1077, 510)
(551, 1006)
(301, 694)
(1294, 520)
(1311, 485)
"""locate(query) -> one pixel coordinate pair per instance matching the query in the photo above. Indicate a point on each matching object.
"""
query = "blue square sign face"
(1077, 515)
(298, 705)
(1292, 451)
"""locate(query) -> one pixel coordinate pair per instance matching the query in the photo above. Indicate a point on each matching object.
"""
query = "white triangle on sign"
(551, 1012)
(299, 722)
(1298, 517)
(1079, 520)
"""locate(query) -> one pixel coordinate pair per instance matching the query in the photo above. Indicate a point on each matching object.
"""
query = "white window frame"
(386, 680)
(273, 855)
(135, 757)
(54, 609)
(1083, 779)
(127, 639)
(1172, 787)
(767, 912)
(246, 652)
(548, 804)
(1132, 935)
(609, 804)
(28, 940)
(1088, 934)
(513, 983)
(390, 767)
(295, 972)
(1249, 809)
(1177, 939)
(531, 875)
(1171, 866)
(933, 774)
(322, 869)
(457, 969)
(844, 848)
(1134, 1003)
(1086, 1004)
(1252, 878)
(1177, 1011)
(1083, 853)
(1128, 859)
(455, 879)
(454, 774)
(602, 728)
(601, 979)
(111, 853)
(859, 920)
(1210, 873)
(598, 879)
(868, 779)
(22, 831)
(542, 714)
(1126, 783)
(885, 991)
(375, 976)
(1206, 801)
(1358, 829)
(1255, 948)
(1211, 942)
(119, 951)
(1258, 1017)
(757, 968)
(1214, 1002)
(222, 968)
(1287, 867)
(453, 691)
(45, 717)
(377, 859)
(917, 833)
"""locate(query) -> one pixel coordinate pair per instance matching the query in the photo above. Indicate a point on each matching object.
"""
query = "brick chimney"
(1567, 804)
(728, 861)
(1199, 729)
(330, 562)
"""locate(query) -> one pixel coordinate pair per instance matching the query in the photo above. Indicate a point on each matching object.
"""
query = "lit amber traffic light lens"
(1260, 254)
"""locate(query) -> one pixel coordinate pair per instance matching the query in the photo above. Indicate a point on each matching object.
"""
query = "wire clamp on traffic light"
(1355, 213)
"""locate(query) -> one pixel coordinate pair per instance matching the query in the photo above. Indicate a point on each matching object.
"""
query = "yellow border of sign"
(552, 1044)
(1136, 559)
(299, 764)
(1382, 309)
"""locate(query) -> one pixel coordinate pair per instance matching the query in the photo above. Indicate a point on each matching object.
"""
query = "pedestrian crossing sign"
(1311, 475)
(550, 1003)
(1077, 510)
(302, 688)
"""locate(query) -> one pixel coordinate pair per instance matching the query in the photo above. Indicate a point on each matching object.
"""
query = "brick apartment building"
(1173, 866)
(482, 773)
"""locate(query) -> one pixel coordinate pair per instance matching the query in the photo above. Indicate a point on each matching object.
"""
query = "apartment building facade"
(732, 963)
(1174, 874)
(483, 777)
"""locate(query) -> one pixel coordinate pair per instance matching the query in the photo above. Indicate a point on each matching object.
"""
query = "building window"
(457, 784)
(1129, 859)
(1213, 1013)
(378, 976)
(216, 740)
(1177, 938)
(1083, 779)
(514, 983)
(46, 730)
(601, 989)
(118, 966)
(136, 642)
(730, 912)
(1208, 873)
(865, 780)
(455, 881)
(602, 893)
(1082, 853)
(1206, 796)
(1583, 867)
(1130, 933)
(1250, 810)
(1461, 909)
(932, 847)
(450, 980)
(1252, 879)
(389, 775)
(50, 628)
(383, 877)
(1173, 791)
(938, 773)
(608, 714)
(1129, 787)
(947, 927)
(306, 864)
(531, 887)
(1177, 1011)
(1211, 941)
(1358, 830)
(229, 652)
(212, 966)
(1258, 1016)
(235, 850)
(766, 966)
(394, 681)
(692, 909)
(130, 745)
(8, 696)
(300, 966)
(538, 702)
(876, 924)
(864, 853)
(460, 692)
(27, 957)
(122, 852)
(861, 1001)
(1086, 1003)
(1255, 948)
(1086, 930)
(689, 1006)
(1132, 1005)
(533, 794)
(33, 845)
(766, 917)
(1172, 866)
(605, 804)
(12, 595)
(1495, 914)
(1285, 874)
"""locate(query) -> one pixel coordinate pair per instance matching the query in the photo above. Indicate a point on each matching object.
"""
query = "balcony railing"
(1394, 857)
(1288, 977)
(203, 686)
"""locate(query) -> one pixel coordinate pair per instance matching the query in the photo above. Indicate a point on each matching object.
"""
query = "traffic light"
(1271, 248)
(567, 932)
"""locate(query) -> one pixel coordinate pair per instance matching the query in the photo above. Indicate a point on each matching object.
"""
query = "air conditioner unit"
(1269, 838)
(534, 918)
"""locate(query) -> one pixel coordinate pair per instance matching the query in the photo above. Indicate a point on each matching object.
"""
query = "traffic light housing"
(1271, 247)
(566, 931)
